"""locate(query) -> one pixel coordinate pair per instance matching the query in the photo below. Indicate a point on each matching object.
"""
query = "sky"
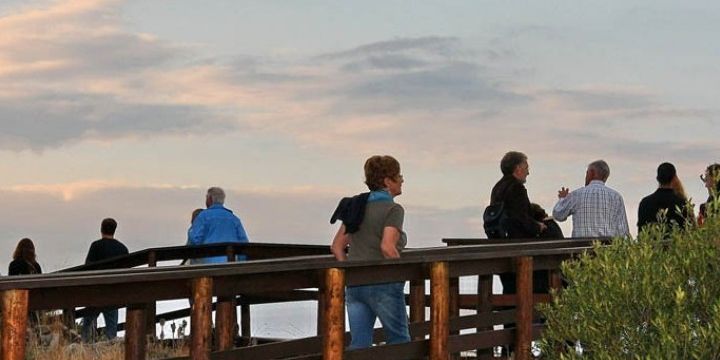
(132, 109)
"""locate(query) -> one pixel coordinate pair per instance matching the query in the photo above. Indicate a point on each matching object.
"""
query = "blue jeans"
(368, 302)
(111, 323)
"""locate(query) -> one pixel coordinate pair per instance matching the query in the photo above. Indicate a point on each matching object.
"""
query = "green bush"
(656, 297)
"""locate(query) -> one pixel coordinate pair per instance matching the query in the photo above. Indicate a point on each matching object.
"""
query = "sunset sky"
(131, 109)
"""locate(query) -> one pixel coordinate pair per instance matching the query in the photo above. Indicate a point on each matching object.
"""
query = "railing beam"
(334, 339)
(524, 316)
(439, 311)
(201, 318)
(14, 324)
(151, 307)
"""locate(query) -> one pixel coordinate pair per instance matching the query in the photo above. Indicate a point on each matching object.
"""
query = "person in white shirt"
(597, 210)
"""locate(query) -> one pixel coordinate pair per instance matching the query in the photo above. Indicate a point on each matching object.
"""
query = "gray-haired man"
(597, 210)
(216, 224)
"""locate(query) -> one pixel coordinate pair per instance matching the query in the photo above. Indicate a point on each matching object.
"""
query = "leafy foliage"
(656, 297)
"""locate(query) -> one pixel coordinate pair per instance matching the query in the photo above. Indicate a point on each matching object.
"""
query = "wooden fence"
(437, 337)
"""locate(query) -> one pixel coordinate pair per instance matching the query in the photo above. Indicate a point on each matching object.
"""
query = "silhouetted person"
(24, 259)
(664, 200)
(105, 248)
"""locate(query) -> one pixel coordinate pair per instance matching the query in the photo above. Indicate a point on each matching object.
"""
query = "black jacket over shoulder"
(662, 199)
(512, 193)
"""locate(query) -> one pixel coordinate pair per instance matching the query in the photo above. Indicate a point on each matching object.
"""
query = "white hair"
(601, 168)
(216, 195)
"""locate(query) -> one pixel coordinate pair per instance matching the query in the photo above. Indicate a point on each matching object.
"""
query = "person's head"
(382, 172)
(107, 227)
(215, 195)
(25, 250)
(665, 173)
(597, 170)
(195, 214)
(711, 178)
(515, 163)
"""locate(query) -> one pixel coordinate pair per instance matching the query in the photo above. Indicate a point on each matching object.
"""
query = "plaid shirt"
(597, 211)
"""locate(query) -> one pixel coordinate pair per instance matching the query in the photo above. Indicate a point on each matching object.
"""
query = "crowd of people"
(372, 229)
(215, 224)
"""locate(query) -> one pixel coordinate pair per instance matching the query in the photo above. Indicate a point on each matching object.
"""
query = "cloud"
(435, 45)
(70, 72)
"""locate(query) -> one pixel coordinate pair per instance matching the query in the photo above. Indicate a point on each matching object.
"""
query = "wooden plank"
(481, 340)
(201, 319)
(151, 307)
(439, 310)
(14, 324)
(135, 333)
(524, 276)
(334, 339)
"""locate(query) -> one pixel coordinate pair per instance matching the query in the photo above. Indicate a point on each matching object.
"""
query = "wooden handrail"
(129, 287)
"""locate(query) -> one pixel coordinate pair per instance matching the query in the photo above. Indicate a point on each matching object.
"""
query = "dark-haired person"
(24, 259)
(511, 191)
(372, 229)
(664, 200)
(105, 248)
(711, 179)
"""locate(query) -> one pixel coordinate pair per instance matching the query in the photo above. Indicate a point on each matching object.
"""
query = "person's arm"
(518, 207)
(623, 227)
(197, 230)
(388, 244)
(241, 234)
(91, 255)
(565, 205)
(340, 243)
(643, 216)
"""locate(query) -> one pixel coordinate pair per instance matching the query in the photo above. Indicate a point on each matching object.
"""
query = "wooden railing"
(135, 288)
(252, 251)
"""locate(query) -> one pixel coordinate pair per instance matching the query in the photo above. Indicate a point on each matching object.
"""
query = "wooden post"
(417, 303)
(230, 253)
(135, 342)
(484, 306)
(454, 307)
(225, 322)
(320, 310)
(439, 311)
(151, 307)
(201, 318)
(245, 321)
(524, 312)
(556, 280)
(68, 318)
(334, 339)
(14, 324)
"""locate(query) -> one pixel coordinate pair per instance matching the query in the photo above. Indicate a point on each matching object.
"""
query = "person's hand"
(543, 227)
(563, 192)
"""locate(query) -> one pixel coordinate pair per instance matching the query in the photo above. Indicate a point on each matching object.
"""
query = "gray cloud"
(50, 120)
(601, 100)
(442, 46)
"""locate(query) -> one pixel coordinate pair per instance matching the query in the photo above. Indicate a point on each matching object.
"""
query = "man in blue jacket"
(216, 224)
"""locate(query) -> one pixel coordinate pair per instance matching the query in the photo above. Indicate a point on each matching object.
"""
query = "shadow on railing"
(436, 337)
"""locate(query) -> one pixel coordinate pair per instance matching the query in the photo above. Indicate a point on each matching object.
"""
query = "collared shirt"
(215, 225)
(597, 211)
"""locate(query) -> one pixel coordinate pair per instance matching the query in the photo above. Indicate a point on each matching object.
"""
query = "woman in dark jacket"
(24, 259)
